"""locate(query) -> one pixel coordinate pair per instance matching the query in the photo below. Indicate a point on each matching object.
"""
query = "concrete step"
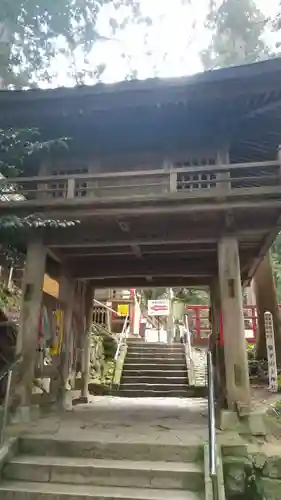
(86, 471)
(188, 391)
(54, 447)
(151, 360)
(12, 490)
(141, 386)
(47, 372)
(153, 344)
(136, 365)
(154, 373)
(150, 355)
(140, 379)
(156, 354)
(173, 393)
(159, 347)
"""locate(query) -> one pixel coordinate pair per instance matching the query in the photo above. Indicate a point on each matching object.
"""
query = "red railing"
(199, 323)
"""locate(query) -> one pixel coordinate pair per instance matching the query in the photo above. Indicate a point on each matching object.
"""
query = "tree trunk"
(266, 300)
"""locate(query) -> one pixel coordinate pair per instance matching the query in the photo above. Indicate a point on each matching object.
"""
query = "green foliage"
(153, 294)
(186, 295)
(9, 300)
(278, 404)
(110, 347)
(276, 21)
(237, 28)
(30, 31)
(34, 32)
(17, 147)
(191, 296)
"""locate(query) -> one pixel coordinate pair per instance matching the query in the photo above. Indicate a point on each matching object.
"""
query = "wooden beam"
(194, 239)
(130, 243)
(150, 266)
(147, 251)
(141, 173)
(263, 109)
(104, 274)
(137, 251)
(54, 255)
(267, 242)
(141, 282)
(182, 195)
(72, 209)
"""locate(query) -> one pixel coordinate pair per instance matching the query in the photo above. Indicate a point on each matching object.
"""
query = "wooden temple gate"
(172, 183)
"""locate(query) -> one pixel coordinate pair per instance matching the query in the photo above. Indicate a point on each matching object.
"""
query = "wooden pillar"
(86, 343)
(250, 295)
(236, 363)
(66, 399)
(222, 177)
(27, 340)
(217, 348)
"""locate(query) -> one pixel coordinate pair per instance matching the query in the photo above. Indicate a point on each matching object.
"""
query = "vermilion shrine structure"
(175, 183)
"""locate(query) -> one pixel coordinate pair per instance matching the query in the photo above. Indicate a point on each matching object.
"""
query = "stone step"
(173, 393)
(163, 379)
(88, 471)
(52, 446)
(154, 350)
(48, 371)
(153, 360)
(162, 352)
(12, 490)
(160, 345)
(151, 386)
(172, 365)
(187, 392)
(154, 373)
(156, 354)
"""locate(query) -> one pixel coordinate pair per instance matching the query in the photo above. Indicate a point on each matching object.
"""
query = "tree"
(276, 25)
(16, 147)
(185, 295)
(153, 294)
(277, 19)
(266, 299)
(237, 28)
(191, 296)
(237, 38)
(33, 33)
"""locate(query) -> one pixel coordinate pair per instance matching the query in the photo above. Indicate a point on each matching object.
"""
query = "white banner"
(158, 307)
(271, 353)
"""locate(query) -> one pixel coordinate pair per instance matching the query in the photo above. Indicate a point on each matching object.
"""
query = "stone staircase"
(155, 370)
(47, 468)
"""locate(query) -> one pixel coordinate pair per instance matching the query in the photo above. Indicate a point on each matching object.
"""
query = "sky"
(169, 47)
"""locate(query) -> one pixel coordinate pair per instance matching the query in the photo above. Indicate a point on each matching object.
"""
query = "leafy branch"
(17, 149)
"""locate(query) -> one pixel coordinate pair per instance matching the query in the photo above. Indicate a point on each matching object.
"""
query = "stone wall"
(252, 472)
